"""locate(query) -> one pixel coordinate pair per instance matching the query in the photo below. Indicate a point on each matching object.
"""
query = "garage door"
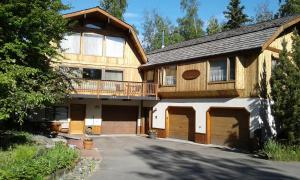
(119, 119)
(181, 123)
(230, 127)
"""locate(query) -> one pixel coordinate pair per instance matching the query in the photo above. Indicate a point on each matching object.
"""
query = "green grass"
(281, 152)
(27, 160)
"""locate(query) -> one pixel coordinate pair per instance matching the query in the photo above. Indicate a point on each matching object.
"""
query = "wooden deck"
(114, 88)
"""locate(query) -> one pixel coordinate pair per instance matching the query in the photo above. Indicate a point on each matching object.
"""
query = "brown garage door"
(230, 127)
(181, 123)
(119, 119)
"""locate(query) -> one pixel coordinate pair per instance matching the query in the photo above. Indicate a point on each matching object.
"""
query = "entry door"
(77, 118)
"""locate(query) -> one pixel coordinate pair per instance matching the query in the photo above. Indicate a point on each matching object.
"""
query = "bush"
(35, 162)
(280, 152)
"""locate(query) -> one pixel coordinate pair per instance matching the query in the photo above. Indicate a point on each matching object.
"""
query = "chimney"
(163, 39)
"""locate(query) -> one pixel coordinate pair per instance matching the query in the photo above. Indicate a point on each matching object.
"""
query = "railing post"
(128, 89)
(156, 91)
(142, 89)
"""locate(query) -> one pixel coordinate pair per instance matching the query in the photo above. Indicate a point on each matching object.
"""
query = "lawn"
(21, 158)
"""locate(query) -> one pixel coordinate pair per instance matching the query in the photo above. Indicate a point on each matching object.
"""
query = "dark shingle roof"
(244, 38)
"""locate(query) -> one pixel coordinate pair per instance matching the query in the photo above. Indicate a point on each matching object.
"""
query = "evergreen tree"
(27, 33)
(115, 7)
(285, 92)
(263, 13)
(235, 15)
(288, 8)
(213, 26)
(190, 26)
(154, 26)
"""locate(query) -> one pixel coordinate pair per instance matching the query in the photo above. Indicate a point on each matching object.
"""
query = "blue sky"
(171, 8)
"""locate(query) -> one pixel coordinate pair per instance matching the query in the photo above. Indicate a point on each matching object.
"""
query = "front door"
(77, 113)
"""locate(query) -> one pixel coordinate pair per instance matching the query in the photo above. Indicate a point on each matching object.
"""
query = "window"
(218, 70)
(61, 113)
(72, 72)
(92, 73)
(113, 75)
(274, 63)
(114, 46)
(56, 113)
(169, 76)
(232, 68)
(92, 44)
(150, 76)
(71, 43)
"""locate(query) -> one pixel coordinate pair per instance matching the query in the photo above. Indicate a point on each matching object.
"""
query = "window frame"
(83, 44)
(228, 70)
(80, 43)
(163, 75)
(106, 46)
(113, 70)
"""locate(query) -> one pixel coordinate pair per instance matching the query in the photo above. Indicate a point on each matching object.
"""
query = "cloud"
(131, 15)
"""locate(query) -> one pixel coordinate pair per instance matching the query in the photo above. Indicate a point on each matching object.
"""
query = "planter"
(88, 144)
(152, 134)
(55, 126)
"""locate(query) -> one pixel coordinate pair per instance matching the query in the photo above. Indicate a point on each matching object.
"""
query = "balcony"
(114, 89)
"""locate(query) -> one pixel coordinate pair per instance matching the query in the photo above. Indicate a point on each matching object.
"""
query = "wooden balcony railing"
(114, 88)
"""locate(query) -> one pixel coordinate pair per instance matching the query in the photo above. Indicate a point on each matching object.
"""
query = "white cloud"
(131, 15)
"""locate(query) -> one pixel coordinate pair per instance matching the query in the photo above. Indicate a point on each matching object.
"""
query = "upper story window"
(71, 43)
(92, 44)
(113, 75)
(222, 70)
(92, 74)
(169, 76)
(150, 76)
(114, 46)
(72, 72)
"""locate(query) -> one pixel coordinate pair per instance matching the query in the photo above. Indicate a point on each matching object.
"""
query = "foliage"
(263, 13)
(35, 162)
(190, 26)
(280, 152)
(9, 139)
(27, 33)
(235, 15)
(115, 7)
(154, 25)
(288, 8)
(213, 26)
(285, 92)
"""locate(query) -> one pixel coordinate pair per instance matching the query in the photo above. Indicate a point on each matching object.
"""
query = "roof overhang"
(280, 30)
(114, 21)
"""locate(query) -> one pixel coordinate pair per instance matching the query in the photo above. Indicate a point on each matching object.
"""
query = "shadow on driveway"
(189, 165)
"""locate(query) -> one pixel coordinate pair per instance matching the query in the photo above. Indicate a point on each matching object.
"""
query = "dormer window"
(92, 44)
(71, 43)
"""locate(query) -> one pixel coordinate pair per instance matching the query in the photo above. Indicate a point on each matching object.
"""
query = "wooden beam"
(275, 50)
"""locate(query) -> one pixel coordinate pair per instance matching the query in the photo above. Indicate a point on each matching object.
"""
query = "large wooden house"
(203, 90)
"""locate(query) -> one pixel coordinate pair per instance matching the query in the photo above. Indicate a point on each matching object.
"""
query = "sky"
(171, 9)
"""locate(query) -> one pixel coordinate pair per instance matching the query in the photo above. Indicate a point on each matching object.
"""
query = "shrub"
(35, 162)
(280, 152)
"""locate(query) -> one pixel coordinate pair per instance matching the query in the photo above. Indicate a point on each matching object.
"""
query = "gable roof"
(115, 21)
(255, 36)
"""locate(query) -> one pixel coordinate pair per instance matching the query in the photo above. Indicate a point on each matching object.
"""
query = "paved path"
(137, 158)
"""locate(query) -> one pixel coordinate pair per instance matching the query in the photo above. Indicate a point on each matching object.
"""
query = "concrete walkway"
(136, 158)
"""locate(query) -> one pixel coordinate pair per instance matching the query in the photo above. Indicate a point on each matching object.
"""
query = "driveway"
(136, 158)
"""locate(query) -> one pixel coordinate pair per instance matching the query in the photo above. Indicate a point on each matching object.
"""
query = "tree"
(115, 7)
(213, 26)
(263, 13)
(235, 15)
(285, 92)
(154, 26)
(27, 33)
(288, 8)
(190, 26)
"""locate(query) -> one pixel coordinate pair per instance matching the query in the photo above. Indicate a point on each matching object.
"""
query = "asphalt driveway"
(137, 158)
